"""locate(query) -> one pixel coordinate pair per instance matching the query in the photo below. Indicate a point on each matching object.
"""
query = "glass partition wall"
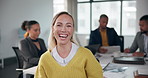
(122, 15)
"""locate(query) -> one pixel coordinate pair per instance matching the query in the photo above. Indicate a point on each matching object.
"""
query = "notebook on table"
(129, 60)
(111, 49)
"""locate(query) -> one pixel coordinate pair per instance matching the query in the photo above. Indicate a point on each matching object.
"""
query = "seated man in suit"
(104, 36)
(141, 39)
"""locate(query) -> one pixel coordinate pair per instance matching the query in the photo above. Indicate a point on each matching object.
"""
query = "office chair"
(93, 48)
(122, 43)
(19, 58)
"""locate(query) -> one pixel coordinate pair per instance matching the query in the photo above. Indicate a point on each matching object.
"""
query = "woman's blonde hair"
(51, 40)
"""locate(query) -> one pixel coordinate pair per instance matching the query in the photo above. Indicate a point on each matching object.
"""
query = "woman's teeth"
(63, 36)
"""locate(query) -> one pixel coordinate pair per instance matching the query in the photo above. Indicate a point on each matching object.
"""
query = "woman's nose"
(63, 28)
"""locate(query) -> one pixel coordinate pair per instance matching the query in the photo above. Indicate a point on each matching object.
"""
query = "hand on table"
(139, 54)
(127, 50)
(102, 50)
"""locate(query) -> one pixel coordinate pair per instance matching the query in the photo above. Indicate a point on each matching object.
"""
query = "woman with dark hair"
(24, 27)
(31, 47)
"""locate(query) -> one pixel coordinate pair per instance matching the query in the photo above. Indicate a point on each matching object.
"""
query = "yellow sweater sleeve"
(93, 67)
(40, 72)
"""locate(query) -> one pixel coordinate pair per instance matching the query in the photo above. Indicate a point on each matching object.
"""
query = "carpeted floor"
(9, 71)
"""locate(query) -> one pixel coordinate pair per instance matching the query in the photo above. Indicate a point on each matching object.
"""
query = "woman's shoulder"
(45, 58)
(45, 55)
(23, 40)
(82, 48)
(84, 51)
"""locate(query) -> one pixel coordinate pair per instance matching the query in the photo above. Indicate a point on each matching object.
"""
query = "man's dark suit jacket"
(30, 51)
(113, 38)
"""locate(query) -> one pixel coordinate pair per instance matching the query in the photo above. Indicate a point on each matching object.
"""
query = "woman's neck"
(64, 50)
(32, 38)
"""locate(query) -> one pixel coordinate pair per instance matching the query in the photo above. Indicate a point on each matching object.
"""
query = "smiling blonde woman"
(64, 58)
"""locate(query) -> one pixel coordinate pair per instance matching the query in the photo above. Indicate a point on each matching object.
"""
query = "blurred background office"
(123, 14)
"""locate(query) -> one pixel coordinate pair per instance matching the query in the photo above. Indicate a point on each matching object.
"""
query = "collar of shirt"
(102, 30)
(66, 60)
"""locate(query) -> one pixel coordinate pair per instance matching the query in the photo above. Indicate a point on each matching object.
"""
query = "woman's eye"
(35, 30)
(68, 25)
(58, 25)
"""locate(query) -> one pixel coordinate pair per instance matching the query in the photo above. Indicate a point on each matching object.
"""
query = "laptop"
(129, 60)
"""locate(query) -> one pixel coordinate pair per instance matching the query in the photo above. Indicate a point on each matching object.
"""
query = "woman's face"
(34, 31)
(63, 29)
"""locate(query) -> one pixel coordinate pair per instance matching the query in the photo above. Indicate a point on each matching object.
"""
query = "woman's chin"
(63, 42)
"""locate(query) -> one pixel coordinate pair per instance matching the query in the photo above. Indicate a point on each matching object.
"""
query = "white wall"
(14, 12)
(72, 9)
(83, 39)
(142, 9)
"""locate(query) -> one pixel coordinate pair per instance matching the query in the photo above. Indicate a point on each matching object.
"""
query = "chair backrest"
(18, 57)
(122, 43)
(93, 48)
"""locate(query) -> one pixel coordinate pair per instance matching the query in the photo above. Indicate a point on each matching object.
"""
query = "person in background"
(64, 58)
(24, 27)
(31, 46)
(104, 36)
(141, 39)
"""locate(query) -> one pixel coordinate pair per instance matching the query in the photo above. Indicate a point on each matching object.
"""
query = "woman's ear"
(27, 30)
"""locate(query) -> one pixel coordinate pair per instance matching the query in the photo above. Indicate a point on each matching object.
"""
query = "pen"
(106, 66)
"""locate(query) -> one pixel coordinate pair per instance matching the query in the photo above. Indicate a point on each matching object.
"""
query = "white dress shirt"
(146, 44)
(64, 61)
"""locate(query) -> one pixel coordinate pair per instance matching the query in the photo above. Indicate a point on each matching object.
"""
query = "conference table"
(130, 68)
(29, 71)
(106, 59)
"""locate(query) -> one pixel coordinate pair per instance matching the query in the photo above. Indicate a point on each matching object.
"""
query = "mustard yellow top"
(82, 65)
(104, 38)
